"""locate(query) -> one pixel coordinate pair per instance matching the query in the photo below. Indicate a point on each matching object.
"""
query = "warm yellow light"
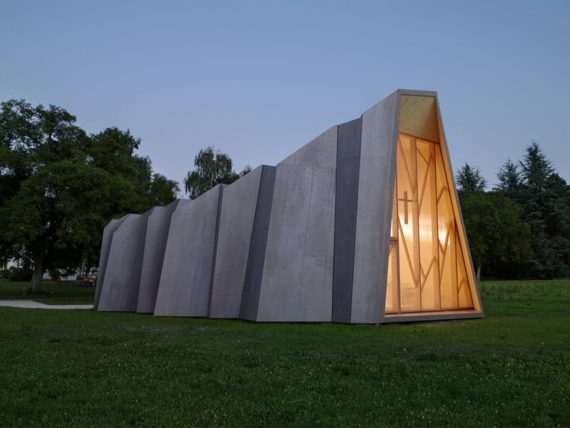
(426, 269)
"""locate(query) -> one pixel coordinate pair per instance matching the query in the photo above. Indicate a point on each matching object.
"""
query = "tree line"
(521, 227)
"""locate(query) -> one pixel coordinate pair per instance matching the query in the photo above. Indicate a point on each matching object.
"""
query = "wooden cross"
(405, 200)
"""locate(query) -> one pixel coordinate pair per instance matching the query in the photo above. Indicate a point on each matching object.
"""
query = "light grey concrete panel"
(237, 216)
(186, 276)
(104, 256)
(256, 258)
(298, 270)
(122, 277)
(348, 166)
(320, 152)
(155, 244)
(375, 192)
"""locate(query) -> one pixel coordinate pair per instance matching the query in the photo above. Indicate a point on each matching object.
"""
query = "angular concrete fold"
(256, 258)
(187, 270)
(298, 270)
(234, 239)
(155, 244)
(120, 287)
(104, 256)
(374, 209)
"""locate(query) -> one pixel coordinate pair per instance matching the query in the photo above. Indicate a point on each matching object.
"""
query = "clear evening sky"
(258, 79)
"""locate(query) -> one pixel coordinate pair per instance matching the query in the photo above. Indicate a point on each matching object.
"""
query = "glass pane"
(446, 236)
(427, 231)
(464, 294)
(426, 267)
(392, 305)
(408, 238)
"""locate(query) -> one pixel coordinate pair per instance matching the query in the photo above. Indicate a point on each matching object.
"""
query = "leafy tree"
(59, 213)
(31, 138)
(162, 190)
(499, 238)
(211, 168)
(59, 186)
(470, 180)
(114, 151)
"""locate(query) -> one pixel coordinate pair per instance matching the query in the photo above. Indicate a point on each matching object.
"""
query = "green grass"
(53, 293)
(83, 368)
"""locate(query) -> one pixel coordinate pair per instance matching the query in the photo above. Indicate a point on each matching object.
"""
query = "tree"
(536, 169)
(59, 212)
(499, 239)
(162, 190)
(211, 168)
(30, 139)
(114, 151)
(544, 198)
(470, 180)
(59, 186)
(510, 180)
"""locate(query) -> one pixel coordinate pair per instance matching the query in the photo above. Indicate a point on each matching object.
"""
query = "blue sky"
(257, 80)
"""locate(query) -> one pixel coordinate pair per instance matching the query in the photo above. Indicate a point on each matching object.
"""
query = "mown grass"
(83, 368)
(54, 293)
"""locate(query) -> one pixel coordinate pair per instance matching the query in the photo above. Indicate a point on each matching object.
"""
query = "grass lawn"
(83, 368)
(54, 293)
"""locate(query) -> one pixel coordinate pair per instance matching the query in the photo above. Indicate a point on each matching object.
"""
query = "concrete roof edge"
(417, 92)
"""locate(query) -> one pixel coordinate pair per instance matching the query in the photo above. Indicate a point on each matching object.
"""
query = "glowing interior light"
(426, 266)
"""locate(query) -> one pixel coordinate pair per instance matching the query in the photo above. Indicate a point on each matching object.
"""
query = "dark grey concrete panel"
(186, 276)
(375, 193)
(123, 273)
(104, 255)
(155, 244)
(298, 271)
(256, 257)
(234, 236)
(348, 166)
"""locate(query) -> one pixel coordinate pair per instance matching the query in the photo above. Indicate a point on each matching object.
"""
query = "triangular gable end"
(430, 272)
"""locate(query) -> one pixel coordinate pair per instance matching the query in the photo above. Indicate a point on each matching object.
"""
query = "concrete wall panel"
(155, 244)
(319, 152)
(187, 269)
(237, 217)
(104, 256)
(347, 173)
(123, 272)
(375, 192)
(257, 248)
(298, 271)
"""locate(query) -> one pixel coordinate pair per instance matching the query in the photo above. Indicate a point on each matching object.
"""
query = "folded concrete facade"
(361, 225)
(104, 256)
(120, 289)
(158, 226)
(187, 270)
(237, 217)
